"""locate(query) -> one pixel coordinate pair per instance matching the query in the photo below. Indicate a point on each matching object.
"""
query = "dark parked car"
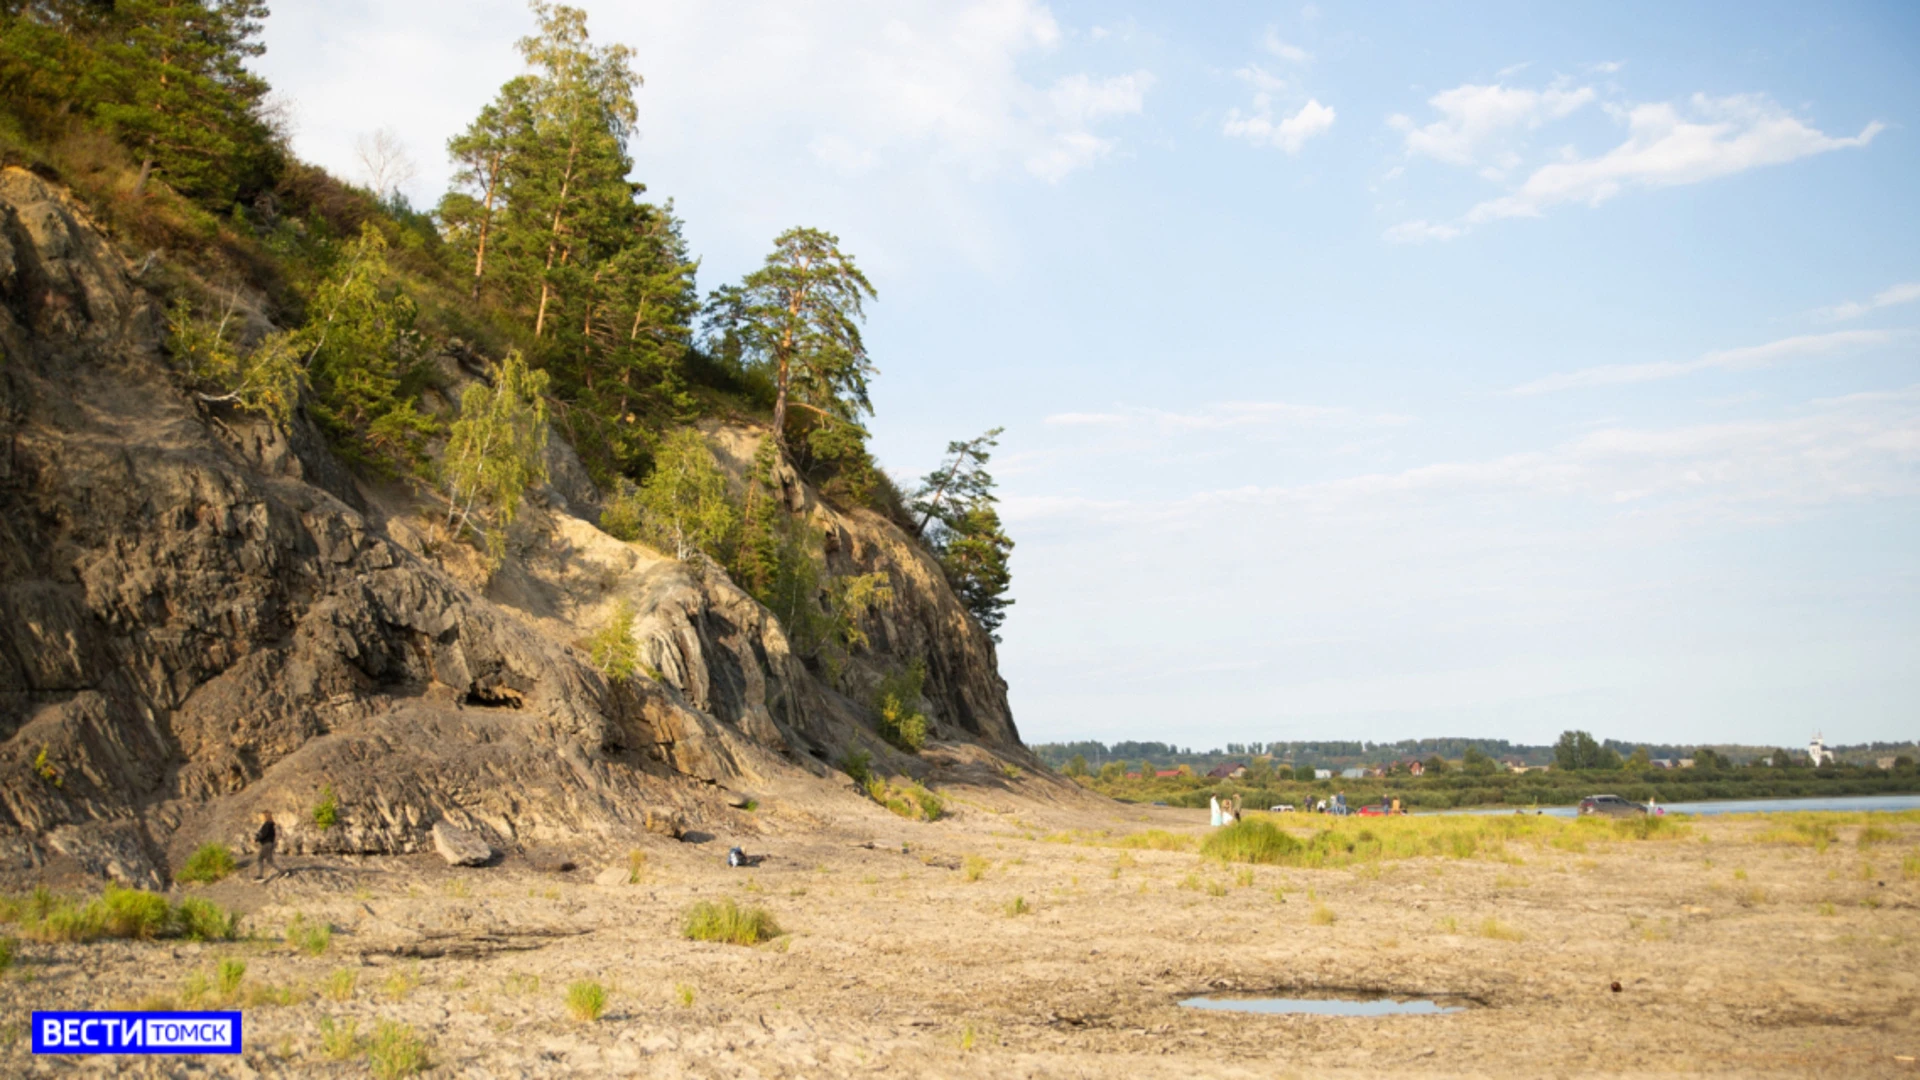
(1612, 806)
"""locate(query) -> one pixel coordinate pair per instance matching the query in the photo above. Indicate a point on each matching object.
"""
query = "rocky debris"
(459, 846)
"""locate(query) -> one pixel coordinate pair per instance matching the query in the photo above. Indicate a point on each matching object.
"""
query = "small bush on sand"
(1322, 915)
(204, 920)
(208, 864)
(1018, 906)
(974, 867)
(586, 1001)
(1250, 841)
(135, 913)
(683, 993)
(728, 922)
(395, 1051)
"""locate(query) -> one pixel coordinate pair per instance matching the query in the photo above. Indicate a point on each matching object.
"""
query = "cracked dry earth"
(1735, 955)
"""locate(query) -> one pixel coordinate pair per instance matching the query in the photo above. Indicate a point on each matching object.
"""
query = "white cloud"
(1667, 145)
(1903, 293)
(1851, 447)
(921, 102)
(1742, 359)
(1289, 134)
(1607, 67)
(1472, 117)
(1419, 232)
(1273, 44)
(1079, 418)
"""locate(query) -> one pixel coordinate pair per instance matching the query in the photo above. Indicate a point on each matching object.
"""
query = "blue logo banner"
(136, 1032)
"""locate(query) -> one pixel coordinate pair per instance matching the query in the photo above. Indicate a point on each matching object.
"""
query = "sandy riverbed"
(1738, 952)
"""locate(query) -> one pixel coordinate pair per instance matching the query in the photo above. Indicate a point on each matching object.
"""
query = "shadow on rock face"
(695, 837)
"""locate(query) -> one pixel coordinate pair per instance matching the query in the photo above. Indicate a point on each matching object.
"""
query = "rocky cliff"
(203, 615)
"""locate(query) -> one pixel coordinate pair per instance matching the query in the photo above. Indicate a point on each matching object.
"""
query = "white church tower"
(1817, 752)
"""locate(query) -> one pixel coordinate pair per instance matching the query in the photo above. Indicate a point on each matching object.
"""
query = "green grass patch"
(1157, 840)
(974, 867)
(1250, 841)
(326, 812)
(208, 864)
(396, 1050)
(118, 913)
(726, 921)
(586, 1001)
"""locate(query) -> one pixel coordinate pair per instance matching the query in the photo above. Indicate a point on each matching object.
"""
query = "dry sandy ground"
(1735, 956)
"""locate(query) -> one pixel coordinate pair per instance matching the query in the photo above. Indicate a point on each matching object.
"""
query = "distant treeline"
(1266, 786)
(1342, 754)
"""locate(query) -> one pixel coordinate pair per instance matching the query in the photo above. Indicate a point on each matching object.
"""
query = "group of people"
(1225, 813)
(1335, 805)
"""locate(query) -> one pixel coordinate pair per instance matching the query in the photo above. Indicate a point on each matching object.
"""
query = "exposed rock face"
(202, 616)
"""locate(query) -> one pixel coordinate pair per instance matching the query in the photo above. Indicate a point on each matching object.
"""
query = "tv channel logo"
(136, 1032)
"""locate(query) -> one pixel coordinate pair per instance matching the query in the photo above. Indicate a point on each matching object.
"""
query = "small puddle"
(1324, 1006)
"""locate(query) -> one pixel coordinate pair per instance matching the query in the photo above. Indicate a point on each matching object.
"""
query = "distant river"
(1742, 806)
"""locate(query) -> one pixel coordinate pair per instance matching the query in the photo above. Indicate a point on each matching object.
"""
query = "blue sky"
(1372, 373)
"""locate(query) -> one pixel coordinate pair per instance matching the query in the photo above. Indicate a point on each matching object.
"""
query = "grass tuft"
(586, 1001)
(1017, 906)
(974, 867)
(339, 1041)
(395, 1051)
(1496, 930)
(728, 922)
(340, 984)
(227, 976)
(1322, 915)
(311, 938)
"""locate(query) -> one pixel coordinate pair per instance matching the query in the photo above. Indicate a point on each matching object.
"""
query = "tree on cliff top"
(957, 500)
(799, 317)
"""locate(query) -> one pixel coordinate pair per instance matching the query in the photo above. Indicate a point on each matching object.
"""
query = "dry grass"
(1495, 930)
(586, 1001)
(974, 867)
(728, 922)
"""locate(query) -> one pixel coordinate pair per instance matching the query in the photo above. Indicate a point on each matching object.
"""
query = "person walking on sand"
(266, 837)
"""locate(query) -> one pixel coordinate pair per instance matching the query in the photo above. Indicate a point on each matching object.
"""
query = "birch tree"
(496, 450)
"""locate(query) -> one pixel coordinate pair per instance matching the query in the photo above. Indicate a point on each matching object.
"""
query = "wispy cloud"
(1745, 358)
(1835, 449)
(1070, 419)
(1473, 119)
(1273, 44)
(1232, 414)
(1903, 293)
(1288, 133)
(1667, 145)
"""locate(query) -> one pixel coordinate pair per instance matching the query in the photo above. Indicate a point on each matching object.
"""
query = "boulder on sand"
(459, 846)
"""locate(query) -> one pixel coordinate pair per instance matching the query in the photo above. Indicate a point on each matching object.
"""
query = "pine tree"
(957, 501)
(482, 155)
(171, 83)
(799, 316)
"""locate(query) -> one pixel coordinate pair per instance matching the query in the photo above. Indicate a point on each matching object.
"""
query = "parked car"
(1611, 806)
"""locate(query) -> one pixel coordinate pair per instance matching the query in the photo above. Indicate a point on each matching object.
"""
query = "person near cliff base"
(266, 838)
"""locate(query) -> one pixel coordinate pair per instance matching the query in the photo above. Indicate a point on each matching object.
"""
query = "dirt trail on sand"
(1738, 951)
